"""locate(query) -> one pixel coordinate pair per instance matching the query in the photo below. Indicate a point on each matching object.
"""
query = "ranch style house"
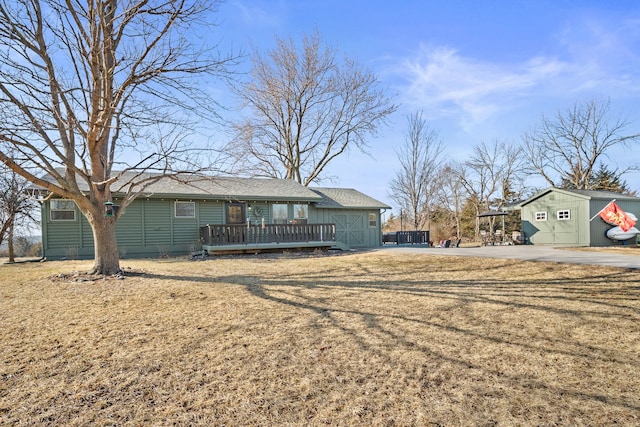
(220, 214)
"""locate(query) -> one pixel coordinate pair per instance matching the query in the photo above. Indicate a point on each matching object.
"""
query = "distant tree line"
(446, 197)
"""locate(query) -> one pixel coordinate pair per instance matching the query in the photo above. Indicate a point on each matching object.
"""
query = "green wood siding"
(598, 228)
(259, 211)
(86, 232)
(185, 230)
(578, 230)
(149, 228)
(210, 213)
(158, 215)
(569, 232)
(129, 229)
(352, 226)
(63, 234)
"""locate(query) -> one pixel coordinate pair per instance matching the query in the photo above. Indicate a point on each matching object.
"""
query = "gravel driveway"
(527, 252)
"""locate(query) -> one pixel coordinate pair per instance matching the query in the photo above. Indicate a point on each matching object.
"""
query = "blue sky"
(479, 70)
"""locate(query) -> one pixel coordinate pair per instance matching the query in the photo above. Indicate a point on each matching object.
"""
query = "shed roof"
(346, 198)
(582, 194)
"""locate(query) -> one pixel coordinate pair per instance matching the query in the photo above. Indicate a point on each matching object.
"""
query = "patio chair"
(498, 237)
(485, 237)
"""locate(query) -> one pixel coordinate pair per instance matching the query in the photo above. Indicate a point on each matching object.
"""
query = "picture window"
(280, 213)
(300, 214)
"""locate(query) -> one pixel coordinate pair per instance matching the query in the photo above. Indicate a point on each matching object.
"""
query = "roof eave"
(351, 207)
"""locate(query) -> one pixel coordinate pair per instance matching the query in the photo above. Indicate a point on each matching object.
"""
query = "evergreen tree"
(606, 179)
(603, 179)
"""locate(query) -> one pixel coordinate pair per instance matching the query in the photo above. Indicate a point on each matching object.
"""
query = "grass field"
(372, 339)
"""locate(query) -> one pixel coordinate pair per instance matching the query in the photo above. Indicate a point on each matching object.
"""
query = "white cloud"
(267, 15)
(445, 83)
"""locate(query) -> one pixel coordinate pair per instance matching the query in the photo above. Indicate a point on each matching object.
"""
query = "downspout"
(380, 242)
(43, 229)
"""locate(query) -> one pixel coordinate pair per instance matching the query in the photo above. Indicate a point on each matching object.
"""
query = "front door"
(235, 213)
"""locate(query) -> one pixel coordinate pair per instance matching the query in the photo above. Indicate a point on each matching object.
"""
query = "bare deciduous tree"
(491, 175)
(566, 148)
(307, 108)
(97, 93)
(17, 207)
(451, 194)
(414, 186)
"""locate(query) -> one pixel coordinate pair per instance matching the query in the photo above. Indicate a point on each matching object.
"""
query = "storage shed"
(562, 217)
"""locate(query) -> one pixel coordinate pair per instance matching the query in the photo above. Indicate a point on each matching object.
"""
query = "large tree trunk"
(107, 257)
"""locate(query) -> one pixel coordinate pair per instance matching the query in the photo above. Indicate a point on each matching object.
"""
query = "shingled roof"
(252, 189)
(215, 187)
(234, 189)
(583, 194)
(346, 198)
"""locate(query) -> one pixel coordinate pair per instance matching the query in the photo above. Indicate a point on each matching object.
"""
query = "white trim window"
(62, 210)
(373, 219)
(564, 215)
(541, 216)
(185, 209)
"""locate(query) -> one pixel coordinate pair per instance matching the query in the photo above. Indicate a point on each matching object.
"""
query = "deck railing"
(403, 237)
(413, 237)
(228, 234)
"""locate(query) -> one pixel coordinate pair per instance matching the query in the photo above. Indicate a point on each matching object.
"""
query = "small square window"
(185, 209)
(63, 210)
(541, 216)
(564, 215)
(373, 219)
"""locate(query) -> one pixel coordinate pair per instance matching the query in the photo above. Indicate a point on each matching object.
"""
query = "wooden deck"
(231, 237)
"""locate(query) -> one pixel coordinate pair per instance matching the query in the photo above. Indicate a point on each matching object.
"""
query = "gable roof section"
(226, 188)
(247, 189)
(346, 198)
(581, 194)
(214, 187)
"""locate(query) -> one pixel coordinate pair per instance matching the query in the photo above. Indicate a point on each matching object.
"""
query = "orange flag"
(614, 215)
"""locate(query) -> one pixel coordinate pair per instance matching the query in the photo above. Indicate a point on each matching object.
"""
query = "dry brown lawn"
(359, 339)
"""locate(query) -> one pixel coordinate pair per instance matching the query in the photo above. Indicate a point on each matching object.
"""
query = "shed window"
(300, 214)
(541, 216)
(564, 215)
(185, 209)
(63, 210)
(373, 219)
(280, 213)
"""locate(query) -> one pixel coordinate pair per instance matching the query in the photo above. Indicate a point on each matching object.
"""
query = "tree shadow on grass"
(498, 293)
(588, 299)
